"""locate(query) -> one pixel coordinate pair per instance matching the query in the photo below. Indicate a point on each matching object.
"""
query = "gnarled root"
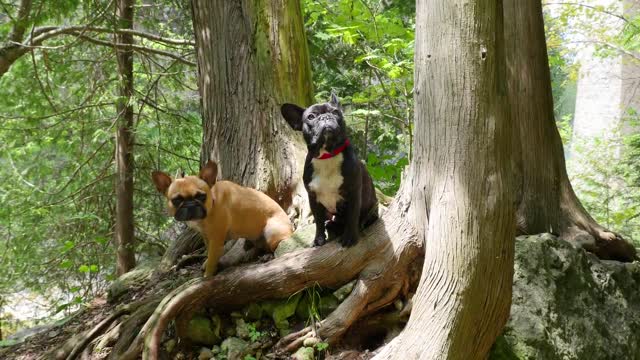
(382, 263)
(73, 347)
(578, 227)
(366, 297)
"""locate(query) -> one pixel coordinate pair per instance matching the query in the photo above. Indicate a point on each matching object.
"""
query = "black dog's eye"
(335, 112)
(201, 197)
(176, 201)
(311, 116)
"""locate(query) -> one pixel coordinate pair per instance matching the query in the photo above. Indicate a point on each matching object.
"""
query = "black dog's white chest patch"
(326, 181)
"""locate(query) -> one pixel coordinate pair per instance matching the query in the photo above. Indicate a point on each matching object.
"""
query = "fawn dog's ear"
(161, 181)
(209, 173)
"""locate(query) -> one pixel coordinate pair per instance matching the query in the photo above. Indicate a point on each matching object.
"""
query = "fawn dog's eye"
(177, 201)
(201, 197)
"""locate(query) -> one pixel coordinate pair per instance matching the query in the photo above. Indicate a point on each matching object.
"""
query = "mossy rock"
(569, 305)
(201, 331)
(234, 348)
(135, 278)
(301, 239)
(252, 312)
(281, 310)
(304, 353)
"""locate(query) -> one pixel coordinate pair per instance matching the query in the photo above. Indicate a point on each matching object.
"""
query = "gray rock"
(242, 331)
(344, 291)
(205, 354)
(568, 305)
(170, 345)
(310, 342)
(135, 278)
(304, 353)
(301, 239)
(234, 348)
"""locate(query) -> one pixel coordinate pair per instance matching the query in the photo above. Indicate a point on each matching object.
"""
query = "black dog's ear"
(293, 114)
(334, 100)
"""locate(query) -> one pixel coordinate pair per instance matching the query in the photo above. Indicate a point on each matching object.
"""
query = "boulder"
(567, 304)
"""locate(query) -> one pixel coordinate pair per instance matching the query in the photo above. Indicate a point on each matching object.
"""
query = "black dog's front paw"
(319, 240)
(348, 240)
(334, 229)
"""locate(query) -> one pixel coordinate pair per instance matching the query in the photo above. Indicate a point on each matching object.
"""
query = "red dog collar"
(334, 152)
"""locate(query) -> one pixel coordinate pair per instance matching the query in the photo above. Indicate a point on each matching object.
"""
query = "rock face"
(567, 304)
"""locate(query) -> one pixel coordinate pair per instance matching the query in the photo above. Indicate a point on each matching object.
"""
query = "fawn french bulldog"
(222, 210)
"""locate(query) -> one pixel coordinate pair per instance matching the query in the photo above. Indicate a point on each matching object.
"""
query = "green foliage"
(322, 346)
(57, 146)
(609, 190)
(605, 168)
(364, 51)
(254, 334)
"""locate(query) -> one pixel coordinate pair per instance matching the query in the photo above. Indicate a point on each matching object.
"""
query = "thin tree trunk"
(547, 200)
(462, 203)
(124, 235)
(252, 57)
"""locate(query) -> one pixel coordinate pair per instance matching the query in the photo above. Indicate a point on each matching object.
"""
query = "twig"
(602, 10)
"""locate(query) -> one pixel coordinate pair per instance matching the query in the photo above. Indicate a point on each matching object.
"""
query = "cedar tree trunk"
(124, 235)
(547, 200)
(252, 57)
(463, 200)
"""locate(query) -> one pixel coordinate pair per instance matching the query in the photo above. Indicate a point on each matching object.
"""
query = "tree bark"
(252, 57)
(124, 234)
(463, 201)
(547, 200)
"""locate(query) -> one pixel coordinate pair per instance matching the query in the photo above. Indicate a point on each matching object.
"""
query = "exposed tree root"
(188, 242)
(381, 263)
(126, 331)
(75, 346)
(578, 227)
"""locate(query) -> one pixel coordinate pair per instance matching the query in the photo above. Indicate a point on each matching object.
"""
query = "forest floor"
(249, 332)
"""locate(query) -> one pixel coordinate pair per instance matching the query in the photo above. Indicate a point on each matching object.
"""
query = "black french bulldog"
(340, 189)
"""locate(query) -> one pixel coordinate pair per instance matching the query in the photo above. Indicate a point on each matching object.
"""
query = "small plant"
(314, 296)
(254, 334)
(322, 346)
(249, 357)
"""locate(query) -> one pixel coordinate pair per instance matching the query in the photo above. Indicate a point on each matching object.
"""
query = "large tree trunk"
(252, 57)
(124, 234)
(548, 202)
(463, 199)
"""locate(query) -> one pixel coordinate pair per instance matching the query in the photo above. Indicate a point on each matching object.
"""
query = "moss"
(200, 331)
(502, 350)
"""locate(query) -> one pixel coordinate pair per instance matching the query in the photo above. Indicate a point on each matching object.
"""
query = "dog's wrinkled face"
(188, 198)
(322, 125)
